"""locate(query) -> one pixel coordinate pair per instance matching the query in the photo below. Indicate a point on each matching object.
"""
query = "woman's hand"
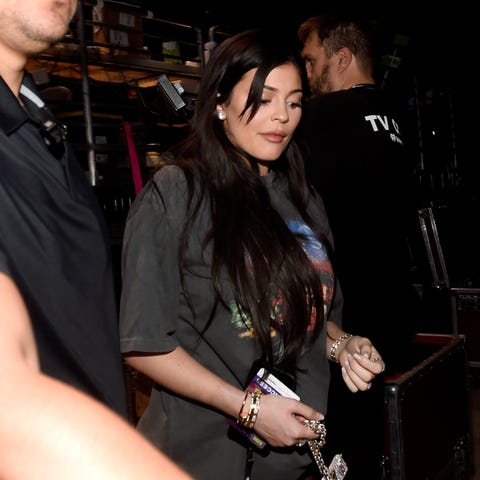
(280, 421)
(360, 362)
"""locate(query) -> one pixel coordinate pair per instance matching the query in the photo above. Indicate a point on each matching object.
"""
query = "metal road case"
(463, 308)
(428, 413)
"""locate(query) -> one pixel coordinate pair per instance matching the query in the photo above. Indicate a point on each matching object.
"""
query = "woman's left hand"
(361, 363)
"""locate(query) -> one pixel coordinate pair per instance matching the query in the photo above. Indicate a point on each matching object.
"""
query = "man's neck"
(12, 68)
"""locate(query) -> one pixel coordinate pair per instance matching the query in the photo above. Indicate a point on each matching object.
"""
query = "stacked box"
(116, 27)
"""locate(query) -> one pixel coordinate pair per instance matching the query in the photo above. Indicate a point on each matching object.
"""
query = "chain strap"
(338, 468)
(317, 456)
(317, 444)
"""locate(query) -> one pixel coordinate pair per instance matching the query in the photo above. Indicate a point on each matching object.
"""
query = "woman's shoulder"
(169, 175)
(168, 181)
(166, 190)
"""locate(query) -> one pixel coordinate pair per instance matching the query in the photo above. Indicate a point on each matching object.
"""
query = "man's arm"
(51, 430)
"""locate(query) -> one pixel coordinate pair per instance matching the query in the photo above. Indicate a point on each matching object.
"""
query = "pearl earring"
(221, 115)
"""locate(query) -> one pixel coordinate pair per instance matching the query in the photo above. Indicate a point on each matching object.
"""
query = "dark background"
(429, 60)
(434, 46)
(431, 77)
(434, 53)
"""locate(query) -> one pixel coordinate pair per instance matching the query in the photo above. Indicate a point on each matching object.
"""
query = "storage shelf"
(104, 73)
(60, 59)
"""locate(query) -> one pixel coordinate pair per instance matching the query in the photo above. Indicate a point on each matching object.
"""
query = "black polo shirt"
(54, 244)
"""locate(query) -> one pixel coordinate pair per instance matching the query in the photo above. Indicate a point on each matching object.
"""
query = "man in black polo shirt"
(53, 239)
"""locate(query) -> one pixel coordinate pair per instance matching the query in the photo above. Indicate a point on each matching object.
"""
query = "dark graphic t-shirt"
(159, 312)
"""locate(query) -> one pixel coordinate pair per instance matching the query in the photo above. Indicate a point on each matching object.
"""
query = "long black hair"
(251, 242)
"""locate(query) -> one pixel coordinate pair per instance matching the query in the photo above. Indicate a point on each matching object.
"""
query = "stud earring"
(221, 115)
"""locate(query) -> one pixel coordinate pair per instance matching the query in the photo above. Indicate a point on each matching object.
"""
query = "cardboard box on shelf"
(117, 18)
(113, 26)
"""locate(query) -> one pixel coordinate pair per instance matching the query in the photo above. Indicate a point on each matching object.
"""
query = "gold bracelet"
(241, 415)
(336, 344)
(253, 409)
(248, 420)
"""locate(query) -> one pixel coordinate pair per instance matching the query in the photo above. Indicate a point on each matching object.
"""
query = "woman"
(225, 268)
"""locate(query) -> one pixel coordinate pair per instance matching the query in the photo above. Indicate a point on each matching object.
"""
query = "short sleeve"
(151, 288)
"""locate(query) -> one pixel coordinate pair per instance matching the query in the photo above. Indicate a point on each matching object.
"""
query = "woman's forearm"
(182, 374)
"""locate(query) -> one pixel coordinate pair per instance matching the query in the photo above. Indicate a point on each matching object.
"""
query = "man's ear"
(344, 58)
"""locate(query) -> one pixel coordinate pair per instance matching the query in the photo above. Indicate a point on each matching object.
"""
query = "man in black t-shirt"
(356, 159)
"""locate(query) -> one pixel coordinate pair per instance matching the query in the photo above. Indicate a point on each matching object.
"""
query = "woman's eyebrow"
(273, 89)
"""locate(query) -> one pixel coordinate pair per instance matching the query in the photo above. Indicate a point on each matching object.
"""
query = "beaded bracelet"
(248, 419)
(336, 344)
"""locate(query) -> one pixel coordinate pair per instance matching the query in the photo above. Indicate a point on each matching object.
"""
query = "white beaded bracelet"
(336, 344)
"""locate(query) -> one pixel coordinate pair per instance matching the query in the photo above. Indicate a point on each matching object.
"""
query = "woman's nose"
(280, 114)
